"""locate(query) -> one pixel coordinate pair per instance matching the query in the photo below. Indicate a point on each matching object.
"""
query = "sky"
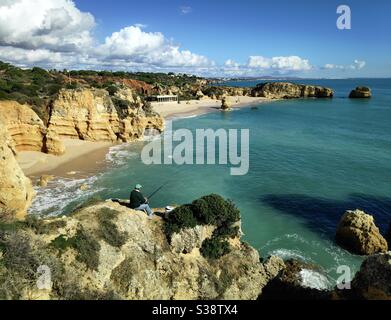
(225, 38)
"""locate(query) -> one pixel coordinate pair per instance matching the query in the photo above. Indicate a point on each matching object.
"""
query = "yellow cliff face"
(90, 114)
(16, 191)
(27, 130)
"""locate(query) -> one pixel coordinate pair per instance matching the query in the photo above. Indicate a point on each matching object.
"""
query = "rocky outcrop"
(226, 103)
(16, 191)
(373, 281)
(286, 90)
(360, 93)
(27, 130)
(297, 281)
(358, 233)
(109, 251)
(90, 114)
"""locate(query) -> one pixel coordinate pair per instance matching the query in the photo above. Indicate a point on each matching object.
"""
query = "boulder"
(44, 180)
(297, 281)
(16, 191)
(358, 234)
(287, 90)
(360, 93)
(373, 281)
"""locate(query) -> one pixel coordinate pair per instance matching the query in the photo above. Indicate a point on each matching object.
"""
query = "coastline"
(86, 158)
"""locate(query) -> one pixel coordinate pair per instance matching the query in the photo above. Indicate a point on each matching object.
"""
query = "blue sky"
(211, 37)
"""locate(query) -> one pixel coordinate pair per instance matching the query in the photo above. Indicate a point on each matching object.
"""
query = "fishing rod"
(157, 190)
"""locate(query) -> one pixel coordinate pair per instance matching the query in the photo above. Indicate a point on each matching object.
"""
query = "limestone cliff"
(107, 251)
(286, 90)
(27, 130)
(16, 190)
(90, 114)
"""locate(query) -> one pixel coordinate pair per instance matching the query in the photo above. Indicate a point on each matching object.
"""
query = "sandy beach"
(81, 156)
(86, 158)
(196, 107)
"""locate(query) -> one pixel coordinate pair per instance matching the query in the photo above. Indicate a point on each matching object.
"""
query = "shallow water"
(310, 160)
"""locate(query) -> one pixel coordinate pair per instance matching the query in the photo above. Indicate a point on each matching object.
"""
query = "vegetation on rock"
(108, 230)
(209, 210)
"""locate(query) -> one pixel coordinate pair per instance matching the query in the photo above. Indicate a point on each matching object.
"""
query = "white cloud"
(48, 32)
(357, 65)
(45, 24)
(290, 63)
(186, 9)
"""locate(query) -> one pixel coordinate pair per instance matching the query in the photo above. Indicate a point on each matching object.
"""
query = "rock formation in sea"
(286, 90)
(16, 191)
(107, 251)
(358, 233)
(226, 103)
(298, 280)
(360, 93)
(27, 130)
(373, 281)
(91, 114)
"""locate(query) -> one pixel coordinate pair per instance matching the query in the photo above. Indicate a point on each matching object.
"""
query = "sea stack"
(358, 233)
(361, 93)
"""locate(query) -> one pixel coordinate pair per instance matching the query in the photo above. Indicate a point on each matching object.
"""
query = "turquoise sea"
(310, 160)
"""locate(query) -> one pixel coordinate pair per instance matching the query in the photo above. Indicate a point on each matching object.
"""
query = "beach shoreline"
(86, 158)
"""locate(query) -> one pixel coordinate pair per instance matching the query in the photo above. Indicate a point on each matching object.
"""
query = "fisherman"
(139, 202)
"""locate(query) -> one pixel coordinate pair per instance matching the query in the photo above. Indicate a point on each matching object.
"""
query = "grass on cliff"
(86, 246)
(209, 210)
(108, 230)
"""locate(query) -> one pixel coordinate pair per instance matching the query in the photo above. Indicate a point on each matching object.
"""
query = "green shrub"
(108, 230)
(228, 231)
(215, 248)
(215, 210)
(86, 246)
(181, 218)
(41, 227)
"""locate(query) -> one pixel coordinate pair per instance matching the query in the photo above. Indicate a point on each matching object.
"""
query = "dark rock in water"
(373, 281)
(360, 93)
(388, 236)
(254, 108)
(298, 281)
(287, 90)
(358, 233)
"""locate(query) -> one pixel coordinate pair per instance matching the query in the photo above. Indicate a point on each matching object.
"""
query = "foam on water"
(120, 155)
(61, 193)
(314, 280)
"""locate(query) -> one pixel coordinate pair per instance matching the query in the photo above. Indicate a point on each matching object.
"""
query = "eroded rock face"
(16, 191)
(27, 130)
(226, 103)
(90, 114)
(358, 233)
(360, 93)
(144, 266)
(373, 281)
(286, 90)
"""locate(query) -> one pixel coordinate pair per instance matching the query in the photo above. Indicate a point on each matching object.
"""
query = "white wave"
(119, 155)
(60, 193)
(287, 254)
(314, 280)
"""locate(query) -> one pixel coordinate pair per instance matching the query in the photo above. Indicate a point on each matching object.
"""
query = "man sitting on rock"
(139, 202)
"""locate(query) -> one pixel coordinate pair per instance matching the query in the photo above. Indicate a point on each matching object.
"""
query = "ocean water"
(310, 160)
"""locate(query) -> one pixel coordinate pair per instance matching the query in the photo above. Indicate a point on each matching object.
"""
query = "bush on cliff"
(215, 248)
(209, 210)
(179, 219)
(108, 230)
(85, 245)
